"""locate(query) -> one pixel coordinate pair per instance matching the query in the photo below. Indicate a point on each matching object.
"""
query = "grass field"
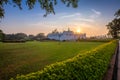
(22, 58)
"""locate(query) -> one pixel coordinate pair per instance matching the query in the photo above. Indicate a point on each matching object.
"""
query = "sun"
(78, 30)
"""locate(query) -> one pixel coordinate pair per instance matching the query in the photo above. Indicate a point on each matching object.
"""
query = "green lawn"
(22, 58)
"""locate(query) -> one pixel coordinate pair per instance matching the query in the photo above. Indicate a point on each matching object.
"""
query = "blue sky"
(91, 17)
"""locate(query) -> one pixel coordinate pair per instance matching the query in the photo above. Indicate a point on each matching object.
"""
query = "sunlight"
(78, 30)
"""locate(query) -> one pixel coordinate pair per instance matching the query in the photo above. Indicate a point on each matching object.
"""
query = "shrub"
(95, 40)
(88, 66)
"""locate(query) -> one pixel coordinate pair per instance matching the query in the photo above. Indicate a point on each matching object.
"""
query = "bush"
(95, 40)
(14, 41)
(91, 65)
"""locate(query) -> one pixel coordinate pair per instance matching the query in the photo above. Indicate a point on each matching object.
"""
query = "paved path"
(118, 71)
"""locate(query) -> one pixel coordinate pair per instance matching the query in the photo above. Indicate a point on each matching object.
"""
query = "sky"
(90, 17)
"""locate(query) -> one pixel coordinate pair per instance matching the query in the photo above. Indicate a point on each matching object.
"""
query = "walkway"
(118, 68)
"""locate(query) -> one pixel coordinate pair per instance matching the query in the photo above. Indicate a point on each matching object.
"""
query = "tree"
(17, 36)
(114, 26)
(55, 31)
(40, 36)
(1, 35)
(117, 14)
(21, 36)
(47, 5)
(31, 37)
(10, 37)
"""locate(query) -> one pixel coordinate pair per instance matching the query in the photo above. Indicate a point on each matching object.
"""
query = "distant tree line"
(21, 37)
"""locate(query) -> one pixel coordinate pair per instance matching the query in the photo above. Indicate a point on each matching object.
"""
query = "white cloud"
(95, 14)
(71, 15)
(43, 24)
(85, 19)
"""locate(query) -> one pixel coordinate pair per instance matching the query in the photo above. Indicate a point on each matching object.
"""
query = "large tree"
(114, 26)
(47, 5)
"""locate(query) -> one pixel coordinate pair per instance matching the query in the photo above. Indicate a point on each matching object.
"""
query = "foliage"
(95, 40)
(40, 36)
(2, 35)
(89, 66)
(47, 5)
(117, 14)
(114, 26)
(23, 37)
(31, 37)
(17, 36)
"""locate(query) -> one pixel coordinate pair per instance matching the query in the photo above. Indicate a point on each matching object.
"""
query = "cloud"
(69, 16)
(95, 13)
(85, 20)
(43, 24)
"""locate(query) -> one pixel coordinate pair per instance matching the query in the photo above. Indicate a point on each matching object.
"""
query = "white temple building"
(66, 35)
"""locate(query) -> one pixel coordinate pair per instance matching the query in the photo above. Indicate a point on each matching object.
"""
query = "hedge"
(91, 65)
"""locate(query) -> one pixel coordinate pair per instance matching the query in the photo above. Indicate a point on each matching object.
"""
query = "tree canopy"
(47, 5)
(117, 14)
(114, 26)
